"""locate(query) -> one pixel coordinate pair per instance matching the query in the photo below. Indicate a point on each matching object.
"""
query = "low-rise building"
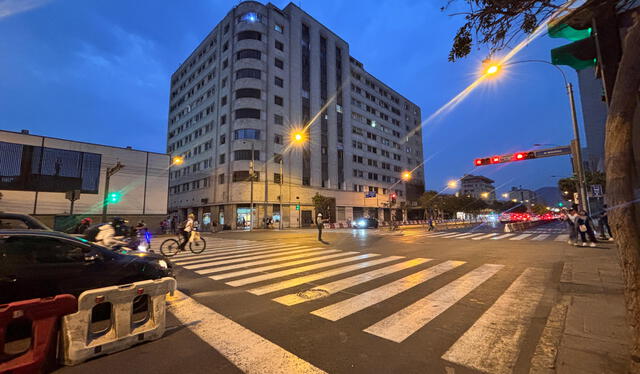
(478, 187)
(38, 173)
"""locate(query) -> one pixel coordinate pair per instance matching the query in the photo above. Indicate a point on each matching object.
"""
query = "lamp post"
(495, 67)
(110, 172)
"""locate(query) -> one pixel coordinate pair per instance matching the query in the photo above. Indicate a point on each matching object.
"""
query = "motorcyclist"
(110, 234)
(82, 226)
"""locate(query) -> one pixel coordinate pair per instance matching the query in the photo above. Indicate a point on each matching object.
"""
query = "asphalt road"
(363, 301)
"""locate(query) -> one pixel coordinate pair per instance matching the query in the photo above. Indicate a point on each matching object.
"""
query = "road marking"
(268, 267)
(562, 238)
(485, 237)
(241, 254)
(402, 324)
(492, 344)
(541, 237)
(325, 274)
(502, 236)
(354, 304)
(520, 237)
(243, 259)
(224, 249)
(247, 350)
(342, 284)
(455, 235)
(302, 269)
(438, 233)
(469, 236)
(450, 234)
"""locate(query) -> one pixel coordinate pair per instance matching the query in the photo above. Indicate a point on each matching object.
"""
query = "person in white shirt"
(186, 230)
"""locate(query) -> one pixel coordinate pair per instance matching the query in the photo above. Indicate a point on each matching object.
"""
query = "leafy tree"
(323, 205)
(495, 24)
(570, 184)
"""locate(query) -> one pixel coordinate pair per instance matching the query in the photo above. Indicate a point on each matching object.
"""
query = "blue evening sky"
(98, 71)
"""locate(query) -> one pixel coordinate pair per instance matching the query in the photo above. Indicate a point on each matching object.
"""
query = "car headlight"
(362, 223)
(163, 264)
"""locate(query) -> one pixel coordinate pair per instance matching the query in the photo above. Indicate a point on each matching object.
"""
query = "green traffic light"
(114, 197)
(560, 204)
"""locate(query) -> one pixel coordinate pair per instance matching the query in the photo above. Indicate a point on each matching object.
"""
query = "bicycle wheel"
(170, 247)
(198, 246)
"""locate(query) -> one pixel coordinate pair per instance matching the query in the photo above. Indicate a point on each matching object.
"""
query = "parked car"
(365, 223)
(41, 263)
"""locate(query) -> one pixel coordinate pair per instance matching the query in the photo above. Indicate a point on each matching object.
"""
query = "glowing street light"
(297, 137)
(514, 200)
(177, 160)
(484, 195)
(493, 69)
(505, 195)
(452, 184)
(406, 176)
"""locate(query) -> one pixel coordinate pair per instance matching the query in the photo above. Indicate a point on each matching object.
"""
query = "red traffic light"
(478, 161)
(482, 161)
(523, 156)
(393, 196)
(495, 159)
(519, 156)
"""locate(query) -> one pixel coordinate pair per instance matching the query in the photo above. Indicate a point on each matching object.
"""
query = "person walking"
(603, 224)
(585, 228)
(174, 225)
(186, 229)
(320, 225)
(430, 222)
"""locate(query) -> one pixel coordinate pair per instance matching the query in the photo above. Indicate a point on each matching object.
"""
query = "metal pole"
(281, 181)
(251, 178)
(106, 193)
(576, 133)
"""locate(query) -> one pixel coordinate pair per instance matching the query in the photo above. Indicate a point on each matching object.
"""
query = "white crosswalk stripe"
(562, 238)
(302, 269)
(325, 274)
(541, 237)
(484, 237)
(492, 344)
(239, 253)
(343, 284)
(235, 260)
(503, 236)
(407, 321)
(520, 237)
(354, 304)
(469, 236)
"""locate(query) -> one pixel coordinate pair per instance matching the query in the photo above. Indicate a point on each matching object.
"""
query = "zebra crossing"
(529, 235)
(292, 274)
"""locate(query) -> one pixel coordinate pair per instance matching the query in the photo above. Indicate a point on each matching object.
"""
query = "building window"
(226, 28)
(279, 45)
(223, 139)
(278, 82)
(277, 178)
(225, 46)
(248, 73)
(221, 159)
(255, 35)
(245, 154)
(223, 120)
(250, 17)
(247, 113)
(225, 63)
(278, 119)
(277, 138)
(248, 53)
(223, 101)
(278, 100)
(243, 176)
(279, 28)
(279, 63)
(246, 134)
(221, 179)
(224, 82)
(247, 92)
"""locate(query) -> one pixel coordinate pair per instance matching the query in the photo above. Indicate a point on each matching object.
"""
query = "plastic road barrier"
(43, 316)
(80, 343)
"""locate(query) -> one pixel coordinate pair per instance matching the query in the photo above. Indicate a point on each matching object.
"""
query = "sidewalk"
(587, 331)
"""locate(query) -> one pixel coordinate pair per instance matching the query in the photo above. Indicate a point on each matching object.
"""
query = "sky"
(99, 71)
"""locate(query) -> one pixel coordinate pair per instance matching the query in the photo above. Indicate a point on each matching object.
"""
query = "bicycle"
(171, 246)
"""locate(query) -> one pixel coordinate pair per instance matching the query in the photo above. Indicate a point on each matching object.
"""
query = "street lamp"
(297, 139)
(453, 184)
(177, 160)
(492, 69)
(406, 176)
(484, 195)
(505, 195)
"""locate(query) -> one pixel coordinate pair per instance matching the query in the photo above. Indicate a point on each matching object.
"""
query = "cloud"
(11, 7)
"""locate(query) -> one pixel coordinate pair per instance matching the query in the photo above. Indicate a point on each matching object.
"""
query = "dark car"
(17, 221)
(365, 223)
(40, 263)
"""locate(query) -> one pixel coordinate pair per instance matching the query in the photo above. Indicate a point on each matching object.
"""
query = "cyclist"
(186, 230)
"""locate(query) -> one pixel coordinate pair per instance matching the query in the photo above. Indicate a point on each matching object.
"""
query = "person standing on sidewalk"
(585, 228)
(603, 223)
(320, 225)
(570, 220)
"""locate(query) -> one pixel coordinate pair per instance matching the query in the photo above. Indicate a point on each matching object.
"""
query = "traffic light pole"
(110, 172)
(251, 178)
(578, 153)
(281, 181)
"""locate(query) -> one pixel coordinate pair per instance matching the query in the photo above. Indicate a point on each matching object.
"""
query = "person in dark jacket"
(82, 226)
(585, 228)
(603, 221)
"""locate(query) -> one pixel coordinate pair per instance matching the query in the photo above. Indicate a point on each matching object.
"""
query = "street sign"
(557, 151)
(596, 189)
(72, 195)
(370, 194)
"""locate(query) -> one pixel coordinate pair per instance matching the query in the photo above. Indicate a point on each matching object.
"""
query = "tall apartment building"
(260, 74)
(478, 187)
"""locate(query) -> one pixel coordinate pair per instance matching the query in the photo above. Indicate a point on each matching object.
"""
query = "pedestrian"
(186, 229)
(430, 222)
(585, 228)
(603, 223)
(320, 225)
(174, 225)
(82, 226)
(570, 221)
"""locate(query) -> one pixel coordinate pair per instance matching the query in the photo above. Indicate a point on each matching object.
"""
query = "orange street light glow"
(493, 69)
(406, 175)
(178, 160)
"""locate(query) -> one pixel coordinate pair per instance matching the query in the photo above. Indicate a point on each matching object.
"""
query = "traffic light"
(114, 197)
(580, 54)
(393, 198)
(482, 161)
(560, 204)
(523, 156)
(495, 159)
